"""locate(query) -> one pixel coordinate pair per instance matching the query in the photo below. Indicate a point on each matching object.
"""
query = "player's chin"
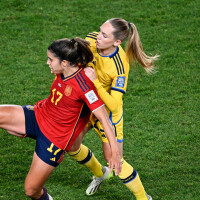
(98, 46)
(52, 72)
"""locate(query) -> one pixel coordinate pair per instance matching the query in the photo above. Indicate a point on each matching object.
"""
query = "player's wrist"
(95, 81)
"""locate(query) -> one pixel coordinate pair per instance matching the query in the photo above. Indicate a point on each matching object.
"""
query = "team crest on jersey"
(68, 90)
(120, 81)
(91, 96)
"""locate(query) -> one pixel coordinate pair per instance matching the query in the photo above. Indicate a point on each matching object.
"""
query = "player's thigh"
(77, 143)
(38, 174)
(12, 118)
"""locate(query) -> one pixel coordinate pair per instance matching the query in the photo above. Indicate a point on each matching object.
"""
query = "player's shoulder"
(92, 36)
(120, 63)
(85, 84)
(123, 56)
(121, 53)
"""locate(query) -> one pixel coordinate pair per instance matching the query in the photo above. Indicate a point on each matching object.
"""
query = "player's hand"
(115, 163)
(90, 73)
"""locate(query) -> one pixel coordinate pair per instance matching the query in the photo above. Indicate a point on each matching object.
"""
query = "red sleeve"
(91, 97)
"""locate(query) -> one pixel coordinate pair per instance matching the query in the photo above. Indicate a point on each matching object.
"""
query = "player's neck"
(70, 70)
(108, 51)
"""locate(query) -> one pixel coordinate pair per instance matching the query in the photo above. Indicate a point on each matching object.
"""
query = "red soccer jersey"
(64, 114)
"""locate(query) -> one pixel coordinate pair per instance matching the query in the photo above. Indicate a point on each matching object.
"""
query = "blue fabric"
(45, 150)
(45, 196)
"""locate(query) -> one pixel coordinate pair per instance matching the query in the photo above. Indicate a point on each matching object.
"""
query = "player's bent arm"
(115, 160)
(113, 100)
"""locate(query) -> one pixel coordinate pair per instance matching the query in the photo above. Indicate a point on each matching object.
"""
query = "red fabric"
(63, 115)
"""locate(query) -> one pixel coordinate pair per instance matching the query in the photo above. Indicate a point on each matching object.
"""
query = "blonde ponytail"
(134, 51)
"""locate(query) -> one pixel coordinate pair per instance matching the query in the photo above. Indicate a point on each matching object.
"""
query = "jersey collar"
(111, 55)
(71, 76)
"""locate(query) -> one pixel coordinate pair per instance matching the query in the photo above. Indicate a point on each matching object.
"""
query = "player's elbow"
(114, 108)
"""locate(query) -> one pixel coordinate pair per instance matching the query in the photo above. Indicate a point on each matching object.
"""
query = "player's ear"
(117, 43)
(65, 63)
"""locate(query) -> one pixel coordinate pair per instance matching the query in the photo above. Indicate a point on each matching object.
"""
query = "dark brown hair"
(75, 51)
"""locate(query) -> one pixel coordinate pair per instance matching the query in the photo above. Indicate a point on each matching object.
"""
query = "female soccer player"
(109, 73)
(55, 122)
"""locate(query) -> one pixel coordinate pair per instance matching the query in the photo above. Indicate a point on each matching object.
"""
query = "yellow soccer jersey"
(112, 76)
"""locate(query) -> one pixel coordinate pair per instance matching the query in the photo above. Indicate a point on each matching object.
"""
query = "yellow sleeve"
(91, 37)
(112, 100)
(119, 83)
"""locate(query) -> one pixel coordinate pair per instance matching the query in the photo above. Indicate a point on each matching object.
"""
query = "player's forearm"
(109, 131)
(102, 116)
(115, 160)
(110, 134)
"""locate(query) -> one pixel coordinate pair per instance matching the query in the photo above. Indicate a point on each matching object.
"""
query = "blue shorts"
(45, 149)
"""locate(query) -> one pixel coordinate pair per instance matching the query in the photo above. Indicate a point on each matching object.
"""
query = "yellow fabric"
(93, 164)
(135, 186)
(109, 69)
(118, 128)
(111, 83)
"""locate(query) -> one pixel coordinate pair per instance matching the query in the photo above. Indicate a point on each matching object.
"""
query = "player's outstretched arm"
(115, 161)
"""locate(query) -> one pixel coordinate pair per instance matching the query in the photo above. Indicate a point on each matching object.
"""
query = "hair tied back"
(73, 41)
